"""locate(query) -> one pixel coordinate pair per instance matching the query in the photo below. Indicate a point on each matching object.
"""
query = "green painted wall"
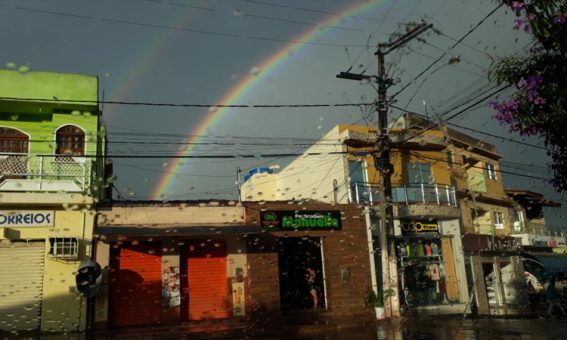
(41, 129)
(40, 119)
(47, 85)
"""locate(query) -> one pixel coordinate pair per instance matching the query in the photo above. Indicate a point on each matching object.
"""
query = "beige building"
(441, 178)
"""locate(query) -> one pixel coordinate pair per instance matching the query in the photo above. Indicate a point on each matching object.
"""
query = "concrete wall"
(306, 177)
(170, 215)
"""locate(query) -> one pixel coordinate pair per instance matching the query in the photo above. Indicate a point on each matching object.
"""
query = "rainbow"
(246, 85)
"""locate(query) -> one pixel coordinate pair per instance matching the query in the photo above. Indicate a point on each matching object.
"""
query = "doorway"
(301, 274)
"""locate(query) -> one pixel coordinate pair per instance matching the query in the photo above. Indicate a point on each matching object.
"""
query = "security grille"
(64, 247)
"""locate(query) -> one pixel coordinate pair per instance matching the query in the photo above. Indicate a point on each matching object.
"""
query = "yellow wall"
(63, 309)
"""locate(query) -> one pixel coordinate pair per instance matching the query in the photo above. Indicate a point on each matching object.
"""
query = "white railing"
(25, 172)
(361, 192)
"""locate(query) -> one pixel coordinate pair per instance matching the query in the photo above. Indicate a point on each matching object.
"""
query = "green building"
(51, 170)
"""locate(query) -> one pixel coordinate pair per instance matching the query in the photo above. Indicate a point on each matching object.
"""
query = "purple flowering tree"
(539, 104)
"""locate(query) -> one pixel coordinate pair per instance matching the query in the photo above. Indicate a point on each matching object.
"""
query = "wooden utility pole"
(383, 165)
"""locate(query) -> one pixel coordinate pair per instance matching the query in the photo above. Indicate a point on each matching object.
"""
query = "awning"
(545, 264)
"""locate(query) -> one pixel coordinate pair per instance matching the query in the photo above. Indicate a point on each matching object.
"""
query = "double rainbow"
(246, 85)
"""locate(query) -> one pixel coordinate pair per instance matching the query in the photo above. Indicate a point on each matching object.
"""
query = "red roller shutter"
(135, 284)
(206, 280)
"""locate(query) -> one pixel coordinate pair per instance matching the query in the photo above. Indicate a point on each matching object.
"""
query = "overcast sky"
(197, 52)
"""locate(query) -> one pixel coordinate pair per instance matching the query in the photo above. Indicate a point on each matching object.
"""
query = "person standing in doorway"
(552, 297)
(311, 276)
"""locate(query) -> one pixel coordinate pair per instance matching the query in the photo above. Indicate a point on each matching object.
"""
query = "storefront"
(431, 266)
(496, 274)
(187, 266)
(311, 262)
(40, 251)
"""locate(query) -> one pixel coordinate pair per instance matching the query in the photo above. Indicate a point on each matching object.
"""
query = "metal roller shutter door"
(206, 280)
(21, 285)
(135, 285)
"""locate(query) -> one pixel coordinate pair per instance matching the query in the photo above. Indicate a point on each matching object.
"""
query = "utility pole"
(383, 165)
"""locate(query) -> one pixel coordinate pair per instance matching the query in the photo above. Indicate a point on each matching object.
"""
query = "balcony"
(367, 193)
(29, 173)
(413, 200)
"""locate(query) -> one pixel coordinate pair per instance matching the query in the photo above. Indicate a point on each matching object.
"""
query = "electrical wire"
(248, 106)
(445, 52)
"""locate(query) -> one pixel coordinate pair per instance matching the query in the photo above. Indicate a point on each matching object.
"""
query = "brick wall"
(344, 251)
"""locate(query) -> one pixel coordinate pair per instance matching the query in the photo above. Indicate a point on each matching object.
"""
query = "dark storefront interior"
(295, 256)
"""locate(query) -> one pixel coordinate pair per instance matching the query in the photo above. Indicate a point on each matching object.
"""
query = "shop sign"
(26, 218)
(473, 243)
(419, 227)
(547, 241)
(301, 220)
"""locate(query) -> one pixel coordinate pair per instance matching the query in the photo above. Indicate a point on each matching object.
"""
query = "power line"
(481, 100)
(500, 137)
(445, 52)
(478, 167)
(170, 28)
(256, 106)
(300, 22)
(178, 4)
(219, 156)
(265, 3)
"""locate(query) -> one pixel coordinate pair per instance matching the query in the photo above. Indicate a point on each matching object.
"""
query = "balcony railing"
(367, 193)
(485, 229)
(25, 172)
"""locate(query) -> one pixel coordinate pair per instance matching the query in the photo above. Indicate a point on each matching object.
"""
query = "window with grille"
(64, 247)
(13, 141)
(70, 141)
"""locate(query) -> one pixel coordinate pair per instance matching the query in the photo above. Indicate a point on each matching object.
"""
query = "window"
(498, 220)
(70, 141)
(518, 220)
(491, 171)
(64, 247)
(419, 173)
(13, 141)
(450, 159)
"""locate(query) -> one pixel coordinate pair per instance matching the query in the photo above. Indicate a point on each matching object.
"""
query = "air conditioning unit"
(499, 225)
(64, 247)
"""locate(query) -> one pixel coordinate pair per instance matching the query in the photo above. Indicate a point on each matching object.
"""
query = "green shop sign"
(300, 220)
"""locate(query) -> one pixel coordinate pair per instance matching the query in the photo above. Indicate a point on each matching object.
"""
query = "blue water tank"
(257, 171)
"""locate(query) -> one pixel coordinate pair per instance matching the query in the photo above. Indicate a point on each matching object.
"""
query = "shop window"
(70, 141)
(498, 220)
(428, 278)
(64, 247)
(491, 171)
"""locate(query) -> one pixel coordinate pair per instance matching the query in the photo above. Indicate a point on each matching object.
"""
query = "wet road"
(444, 328)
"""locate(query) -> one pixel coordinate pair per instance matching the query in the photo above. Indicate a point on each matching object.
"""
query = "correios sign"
(300, 220)
(26, 218)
